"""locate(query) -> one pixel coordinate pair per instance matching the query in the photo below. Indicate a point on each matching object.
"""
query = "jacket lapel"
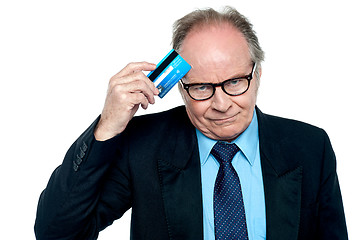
(180, 179)
(282, 179)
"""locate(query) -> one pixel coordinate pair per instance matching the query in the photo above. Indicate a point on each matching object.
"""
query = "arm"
(82, 197)
(331, 214)
(69, 207)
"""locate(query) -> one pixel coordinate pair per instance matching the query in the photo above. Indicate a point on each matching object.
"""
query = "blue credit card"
(168, 72)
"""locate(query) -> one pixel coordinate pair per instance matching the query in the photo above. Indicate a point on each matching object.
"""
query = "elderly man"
(216, 168)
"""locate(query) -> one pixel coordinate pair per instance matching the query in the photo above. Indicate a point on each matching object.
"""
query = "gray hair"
(183, 26)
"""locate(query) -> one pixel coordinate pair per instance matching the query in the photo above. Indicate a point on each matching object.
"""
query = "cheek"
(247, 103)
(196, 110)
(248, 100)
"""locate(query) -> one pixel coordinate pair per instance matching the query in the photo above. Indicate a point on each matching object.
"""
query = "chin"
(225, 135)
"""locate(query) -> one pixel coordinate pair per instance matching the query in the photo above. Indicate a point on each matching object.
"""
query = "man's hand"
(126, 91)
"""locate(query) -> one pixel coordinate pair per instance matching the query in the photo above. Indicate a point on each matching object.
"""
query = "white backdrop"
(56, 58)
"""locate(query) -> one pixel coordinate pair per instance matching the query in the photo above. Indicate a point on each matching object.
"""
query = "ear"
(258, 76)
(259, 72)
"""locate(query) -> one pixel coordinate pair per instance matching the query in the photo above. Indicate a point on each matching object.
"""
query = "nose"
(221, 101)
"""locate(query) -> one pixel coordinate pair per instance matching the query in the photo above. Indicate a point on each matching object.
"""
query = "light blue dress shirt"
(247, 164)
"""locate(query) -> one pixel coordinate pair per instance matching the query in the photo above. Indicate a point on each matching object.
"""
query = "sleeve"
(332, 223)
(77, 203)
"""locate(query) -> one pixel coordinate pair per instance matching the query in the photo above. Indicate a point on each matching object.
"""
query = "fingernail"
(156, 91)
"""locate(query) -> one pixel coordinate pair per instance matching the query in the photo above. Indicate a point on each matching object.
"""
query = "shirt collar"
(247, 142)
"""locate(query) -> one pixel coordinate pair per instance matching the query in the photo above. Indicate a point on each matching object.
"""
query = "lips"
(224, 120)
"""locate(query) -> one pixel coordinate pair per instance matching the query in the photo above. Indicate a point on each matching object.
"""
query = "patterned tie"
(229, 214)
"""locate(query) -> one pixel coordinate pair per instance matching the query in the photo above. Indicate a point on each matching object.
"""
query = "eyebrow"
(237, 75)
(200, 82)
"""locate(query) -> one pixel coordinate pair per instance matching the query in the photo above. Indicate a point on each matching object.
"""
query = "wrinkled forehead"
(216, 52)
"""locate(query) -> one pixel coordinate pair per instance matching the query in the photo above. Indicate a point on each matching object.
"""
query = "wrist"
(103, 133)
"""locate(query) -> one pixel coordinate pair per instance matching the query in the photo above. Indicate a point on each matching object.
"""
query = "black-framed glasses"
(233, 87)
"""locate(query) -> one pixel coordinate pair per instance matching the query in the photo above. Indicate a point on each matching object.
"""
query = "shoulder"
(166, 135)
(291, 143)
(170, 124)
(171, 114)
(171, 117)
(284, 129)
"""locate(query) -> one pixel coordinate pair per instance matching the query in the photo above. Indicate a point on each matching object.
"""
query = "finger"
(137, 99)
(144, 102)
(135, 79)
(137, 86)
(146, 91)
(136, 67)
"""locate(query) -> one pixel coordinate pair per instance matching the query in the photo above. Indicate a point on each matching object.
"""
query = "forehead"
(216, 51)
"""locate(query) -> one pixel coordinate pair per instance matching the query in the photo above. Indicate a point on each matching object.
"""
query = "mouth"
(224, 120)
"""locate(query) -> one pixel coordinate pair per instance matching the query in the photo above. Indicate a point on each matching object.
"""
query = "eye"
(233, 82)
(201, 88)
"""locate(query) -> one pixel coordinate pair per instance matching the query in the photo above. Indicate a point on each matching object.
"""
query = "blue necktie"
(229, 214)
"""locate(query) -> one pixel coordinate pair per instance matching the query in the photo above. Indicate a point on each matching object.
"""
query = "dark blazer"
(154, 168)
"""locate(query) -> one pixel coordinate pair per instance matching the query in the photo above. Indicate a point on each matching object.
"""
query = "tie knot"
(224, 152)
